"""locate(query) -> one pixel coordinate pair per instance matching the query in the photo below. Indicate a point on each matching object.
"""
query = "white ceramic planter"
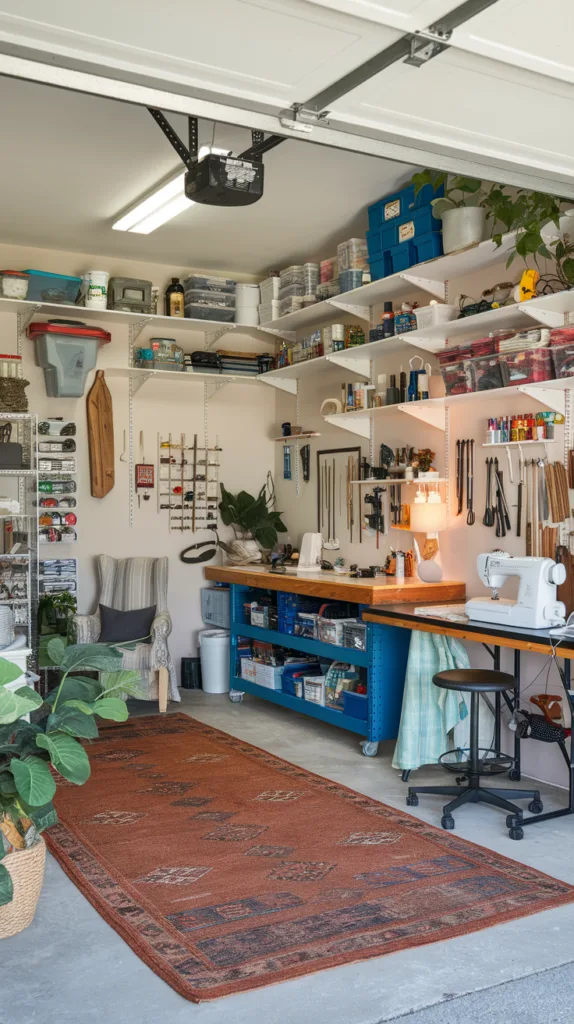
(461, 227)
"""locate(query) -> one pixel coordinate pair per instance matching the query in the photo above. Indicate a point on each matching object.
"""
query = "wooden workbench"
(380, 590)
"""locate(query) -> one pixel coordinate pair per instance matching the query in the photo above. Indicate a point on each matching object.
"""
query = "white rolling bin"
(214, 642)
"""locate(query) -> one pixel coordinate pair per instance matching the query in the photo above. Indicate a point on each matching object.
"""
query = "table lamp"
(428, 515)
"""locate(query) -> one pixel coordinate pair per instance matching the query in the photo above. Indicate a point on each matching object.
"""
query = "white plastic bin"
(214, 654)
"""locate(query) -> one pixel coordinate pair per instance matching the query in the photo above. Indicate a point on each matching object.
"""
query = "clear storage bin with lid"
(291, 289)
(212, 284)
(204, 297)
(291, 275)
(13, 284)
(224, 314)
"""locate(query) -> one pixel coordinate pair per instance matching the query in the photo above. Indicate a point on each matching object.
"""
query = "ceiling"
(71, 163)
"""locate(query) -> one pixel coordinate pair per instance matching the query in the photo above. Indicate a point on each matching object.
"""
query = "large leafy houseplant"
(34, 754)
(537, 220)
(254, 522)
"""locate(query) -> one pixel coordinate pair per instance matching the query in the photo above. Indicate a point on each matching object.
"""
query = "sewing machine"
(536, 606)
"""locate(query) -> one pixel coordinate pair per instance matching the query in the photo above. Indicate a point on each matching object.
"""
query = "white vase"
(244, 551)
(462, 226)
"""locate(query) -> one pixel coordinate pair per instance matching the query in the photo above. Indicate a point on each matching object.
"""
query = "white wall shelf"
(139, 375)
(286, 377)
(30, 310)
(430, 277)
(391, 481)
(517, 444)
(289, 438)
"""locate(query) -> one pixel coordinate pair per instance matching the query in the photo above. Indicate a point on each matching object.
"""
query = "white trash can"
(214, 654)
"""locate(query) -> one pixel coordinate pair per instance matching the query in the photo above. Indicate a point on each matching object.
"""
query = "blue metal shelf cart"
(384, 660)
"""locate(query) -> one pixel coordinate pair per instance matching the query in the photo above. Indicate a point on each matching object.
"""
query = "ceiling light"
(166, 201)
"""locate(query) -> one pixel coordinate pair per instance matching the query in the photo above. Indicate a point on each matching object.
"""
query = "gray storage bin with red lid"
(67, 350)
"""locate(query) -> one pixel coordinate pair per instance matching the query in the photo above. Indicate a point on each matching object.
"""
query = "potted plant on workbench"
(254, 522)
(462, 208)
(33, 755)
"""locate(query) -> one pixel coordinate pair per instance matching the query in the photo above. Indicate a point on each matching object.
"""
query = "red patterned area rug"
(226, 868)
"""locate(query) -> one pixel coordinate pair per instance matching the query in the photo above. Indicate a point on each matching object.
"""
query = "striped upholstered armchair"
(128, 584)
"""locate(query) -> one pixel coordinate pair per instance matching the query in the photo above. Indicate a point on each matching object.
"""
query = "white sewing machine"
(536, 606)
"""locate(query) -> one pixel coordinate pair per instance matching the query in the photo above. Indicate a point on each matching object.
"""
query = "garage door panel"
(276, 50)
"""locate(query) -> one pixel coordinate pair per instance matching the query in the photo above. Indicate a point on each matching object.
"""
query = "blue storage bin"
(399, 204)
(428, 247)
(57, 288)
(403, 256)
(287, 607)
(381, 266)
(417, 222)
(355, 704)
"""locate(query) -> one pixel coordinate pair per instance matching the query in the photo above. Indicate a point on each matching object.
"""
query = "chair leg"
(163, 686)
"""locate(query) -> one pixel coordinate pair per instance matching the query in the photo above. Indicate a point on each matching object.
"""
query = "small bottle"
(174, 298)
(388, 320)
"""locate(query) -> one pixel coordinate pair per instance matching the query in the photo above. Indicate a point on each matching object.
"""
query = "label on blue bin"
(407, 231)
(393, 209)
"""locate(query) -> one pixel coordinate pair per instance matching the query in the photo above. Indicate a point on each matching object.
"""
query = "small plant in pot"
(33, 755)
(461, 208)
(254, 522)
(544, 227)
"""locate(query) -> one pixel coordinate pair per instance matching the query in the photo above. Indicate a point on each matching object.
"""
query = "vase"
(244, 551)
(26, 868)
(462, 227)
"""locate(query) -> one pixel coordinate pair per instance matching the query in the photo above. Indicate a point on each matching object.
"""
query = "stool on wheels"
(480, 762)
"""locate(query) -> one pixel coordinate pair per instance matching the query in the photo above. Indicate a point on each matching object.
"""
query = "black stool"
(475, 682)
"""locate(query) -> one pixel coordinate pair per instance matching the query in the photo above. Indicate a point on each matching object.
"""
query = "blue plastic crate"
(287, 607)
(399, 204)
(381, 266)
(355, 704)
(403, 256)
(406, 228)
(58, 288)
(428, 247)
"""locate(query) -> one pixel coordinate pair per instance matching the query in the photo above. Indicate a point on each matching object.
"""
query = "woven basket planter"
(27, 870)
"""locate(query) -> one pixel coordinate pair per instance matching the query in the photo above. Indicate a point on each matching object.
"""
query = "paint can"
(96, 289)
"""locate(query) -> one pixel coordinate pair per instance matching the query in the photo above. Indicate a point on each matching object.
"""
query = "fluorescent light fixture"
(167, 200)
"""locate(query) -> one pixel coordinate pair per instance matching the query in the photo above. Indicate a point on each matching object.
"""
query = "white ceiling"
(71, 163)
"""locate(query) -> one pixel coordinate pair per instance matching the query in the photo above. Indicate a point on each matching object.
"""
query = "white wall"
(460, 544)
(240, 415)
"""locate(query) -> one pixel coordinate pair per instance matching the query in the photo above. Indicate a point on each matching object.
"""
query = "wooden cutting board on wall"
(100, 437)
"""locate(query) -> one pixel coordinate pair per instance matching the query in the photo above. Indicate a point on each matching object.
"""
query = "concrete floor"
(69, 966)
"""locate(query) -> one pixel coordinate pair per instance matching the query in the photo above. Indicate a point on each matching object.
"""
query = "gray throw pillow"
(122, 627)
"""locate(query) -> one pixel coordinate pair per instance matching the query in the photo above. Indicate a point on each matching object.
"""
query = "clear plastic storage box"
(203, 297)
(224, 314)
(211, 284)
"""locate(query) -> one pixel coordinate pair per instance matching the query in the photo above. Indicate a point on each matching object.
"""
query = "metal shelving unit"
(22, 528)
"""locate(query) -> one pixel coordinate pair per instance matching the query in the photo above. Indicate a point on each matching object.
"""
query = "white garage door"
(499, 101)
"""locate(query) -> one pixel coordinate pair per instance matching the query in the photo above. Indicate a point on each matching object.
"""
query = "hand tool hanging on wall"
(305, 453)
(287, 462)
(332, 543)
(459, 475)
(375, 520)
(520, 493)
(488, 518)
(144, 475)
(470, 482)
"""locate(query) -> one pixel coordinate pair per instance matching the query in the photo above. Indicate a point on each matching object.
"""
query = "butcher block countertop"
(379, 590)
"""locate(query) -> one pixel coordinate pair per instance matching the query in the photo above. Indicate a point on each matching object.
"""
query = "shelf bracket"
(284, 335)
(139, 381)
(212, 336)
(436, 288)
(553, 399)
(363, 312)
(137, 327)
(547, 317)
(433, 415)
(354, 424)
(22, 321)
(362, 366)
(215, 387)
(281, 383)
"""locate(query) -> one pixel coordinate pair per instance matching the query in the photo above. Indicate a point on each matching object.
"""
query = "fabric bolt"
(226, 868)
(434, 720)
(127, 584)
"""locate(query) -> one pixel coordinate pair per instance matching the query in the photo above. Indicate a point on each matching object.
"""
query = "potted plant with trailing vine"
(462, 207)
(254, 522)
(34, 755)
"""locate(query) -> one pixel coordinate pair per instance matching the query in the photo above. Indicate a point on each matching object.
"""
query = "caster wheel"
(535, 807)
(514, 775)
(516, 832)
(412, 801)
(369, 748)
(406, 775)
(513, 819)
(447, 821)
(236, 696)
(460, 779)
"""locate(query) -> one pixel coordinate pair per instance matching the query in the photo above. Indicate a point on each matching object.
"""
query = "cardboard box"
(268, 675)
